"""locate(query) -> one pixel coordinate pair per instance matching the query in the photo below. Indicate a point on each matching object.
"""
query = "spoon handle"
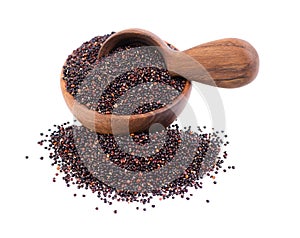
(230, 62)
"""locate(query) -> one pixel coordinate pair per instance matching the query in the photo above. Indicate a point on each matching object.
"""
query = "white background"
(258, 199)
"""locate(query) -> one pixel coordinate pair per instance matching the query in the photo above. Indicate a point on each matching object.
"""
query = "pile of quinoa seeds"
(141, 168)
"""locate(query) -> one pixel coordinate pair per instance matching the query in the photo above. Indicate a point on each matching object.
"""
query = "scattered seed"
(65, 153)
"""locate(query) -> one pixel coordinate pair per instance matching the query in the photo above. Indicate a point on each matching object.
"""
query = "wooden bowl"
(124, 124)
(228, 63)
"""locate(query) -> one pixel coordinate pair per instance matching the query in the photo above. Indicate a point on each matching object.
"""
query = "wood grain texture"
(230, 62)
(227, 63)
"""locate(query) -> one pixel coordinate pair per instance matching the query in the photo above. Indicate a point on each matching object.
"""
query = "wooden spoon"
(227, 63)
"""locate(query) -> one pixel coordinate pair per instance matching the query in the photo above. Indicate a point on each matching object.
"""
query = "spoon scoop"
(226, 63)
